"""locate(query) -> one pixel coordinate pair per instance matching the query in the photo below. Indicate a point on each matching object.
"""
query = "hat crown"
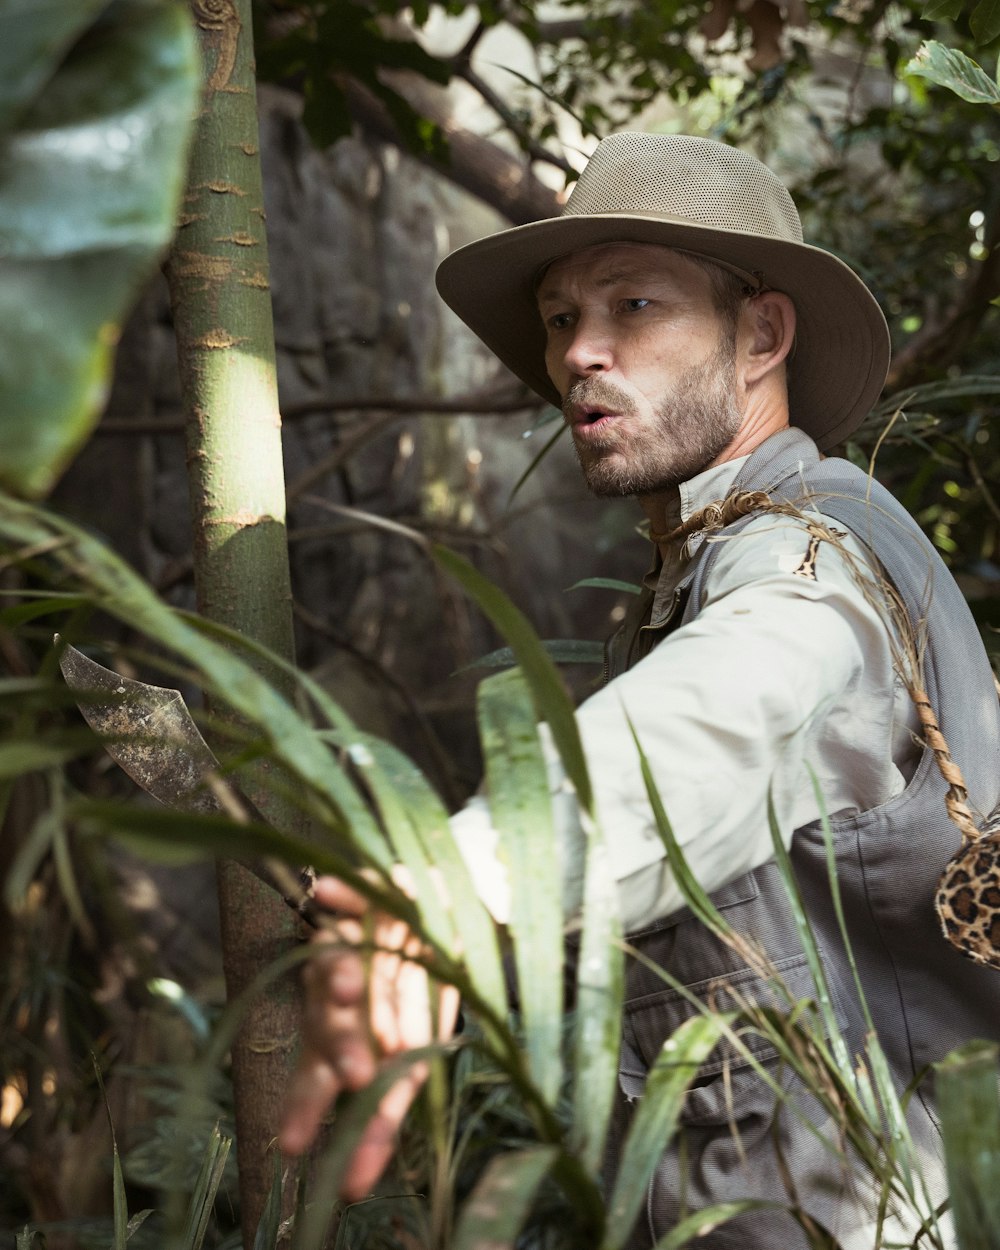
(685, 178)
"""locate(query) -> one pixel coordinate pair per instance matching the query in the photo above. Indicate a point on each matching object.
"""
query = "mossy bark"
(219, 285)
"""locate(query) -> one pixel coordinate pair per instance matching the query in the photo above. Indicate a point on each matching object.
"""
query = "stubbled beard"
(691, 425)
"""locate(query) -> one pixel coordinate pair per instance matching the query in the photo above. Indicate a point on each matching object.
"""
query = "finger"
(337, 895)
(335, 974)
(312, 1091)
(378, 1142)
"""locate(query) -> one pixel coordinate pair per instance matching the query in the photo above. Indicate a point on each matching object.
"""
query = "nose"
(589, 349)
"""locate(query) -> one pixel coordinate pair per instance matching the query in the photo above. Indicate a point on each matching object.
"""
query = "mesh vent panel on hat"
(685, 177)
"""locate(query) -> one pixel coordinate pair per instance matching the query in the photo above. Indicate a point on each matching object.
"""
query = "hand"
(361, 1008)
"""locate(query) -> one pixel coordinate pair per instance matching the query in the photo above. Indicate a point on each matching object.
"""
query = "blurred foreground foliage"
(516, 1108)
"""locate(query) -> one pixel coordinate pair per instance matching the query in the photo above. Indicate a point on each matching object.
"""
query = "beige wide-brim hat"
(702, 197)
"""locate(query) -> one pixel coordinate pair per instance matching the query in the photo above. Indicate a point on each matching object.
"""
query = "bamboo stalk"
(220, 294)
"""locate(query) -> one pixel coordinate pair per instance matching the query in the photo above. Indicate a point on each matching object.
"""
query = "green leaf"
(703, 1222)
(92, 174)
(25, 757)
(266, 1237)
(942, 10)
(417, 825)
(600, 987)
(34, 37)
(561, 651)
(966, 1086)
(210, 1175)
(119, 1199)
(521, 811)
(984, 21)
(354, 1112)
(495, 1212)
(607, 583)
(551, 700)
(536, 460)
(947, 67)
(656, 1117)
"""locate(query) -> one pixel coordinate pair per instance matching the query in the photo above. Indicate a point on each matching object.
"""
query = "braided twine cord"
(902, 632)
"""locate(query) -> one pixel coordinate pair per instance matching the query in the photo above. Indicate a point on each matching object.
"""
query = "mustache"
(600, 393)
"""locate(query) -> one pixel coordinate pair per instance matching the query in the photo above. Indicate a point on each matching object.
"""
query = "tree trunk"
(219, 286)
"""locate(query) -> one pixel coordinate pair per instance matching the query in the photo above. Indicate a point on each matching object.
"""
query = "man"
(704, 357)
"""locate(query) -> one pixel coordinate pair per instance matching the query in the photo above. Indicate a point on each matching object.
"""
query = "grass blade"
(656, 1118)
(266, 1236)
(521, 811)
(417, 826)
(206, 1187)
(600, 988)
(493, 1215)
(551, 701)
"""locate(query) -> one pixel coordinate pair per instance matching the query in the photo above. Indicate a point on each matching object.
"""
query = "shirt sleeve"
(726, 709)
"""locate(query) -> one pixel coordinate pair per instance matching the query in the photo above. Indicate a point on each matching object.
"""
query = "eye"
(634, 305)
(559, 321)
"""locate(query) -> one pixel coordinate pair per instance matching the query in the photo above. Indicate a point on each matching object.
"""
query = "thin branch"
(535, 150)
(424, 405)
(476, 164)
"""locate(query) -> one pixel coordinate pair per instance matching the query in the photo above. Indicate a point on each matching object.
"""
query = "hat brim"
(842, 349)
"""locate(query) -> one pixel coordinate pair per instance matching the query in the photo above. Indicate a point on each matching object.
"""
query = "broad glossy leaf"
(92, 173)
(947, 67)
(494, 1213)
(940, 10)
(521, 811)
(34, 37)
(655, 1119)
(985, 21)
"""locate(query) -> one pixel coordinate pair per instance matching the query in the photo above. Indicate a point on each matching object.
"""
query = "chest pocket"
(728, 1087)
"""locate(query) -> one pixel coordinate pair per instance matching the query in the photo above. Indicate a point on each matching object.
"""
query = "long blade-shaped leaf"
(494, 1213)
(209, 1179)
(521, 810)
(550, 696)
(417, 826)
(121, 592)
(970, 1125)
(655, 1120)
(353, 1117)
(600, 988)
(703, 1222)
(808, 941)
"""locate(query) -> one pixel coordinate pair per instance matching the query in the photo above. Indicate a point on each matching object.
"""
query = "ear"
(769, 334)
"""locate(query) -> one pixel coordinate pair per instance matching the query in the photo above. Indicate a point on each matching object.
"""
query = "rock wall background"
(355, 235)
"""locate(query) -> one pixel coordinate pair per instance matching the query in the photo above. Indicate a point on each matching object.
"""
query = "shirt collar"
(668, 577)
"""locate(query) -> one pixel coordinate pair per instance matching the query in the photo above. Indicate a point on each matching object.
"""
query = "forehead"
(605, 264)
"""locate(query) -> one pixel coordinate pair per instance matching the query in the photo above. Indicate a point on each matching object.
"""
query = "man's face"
(644, 364)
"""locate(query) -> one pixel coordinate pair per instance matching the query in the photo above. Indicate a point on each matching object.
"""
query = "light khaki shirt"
(787, 667)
